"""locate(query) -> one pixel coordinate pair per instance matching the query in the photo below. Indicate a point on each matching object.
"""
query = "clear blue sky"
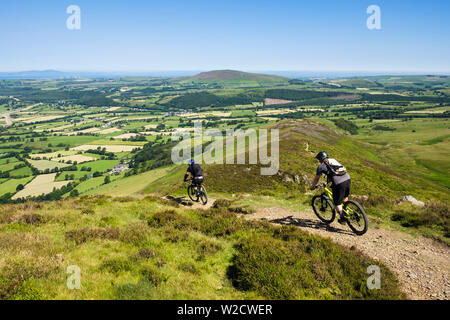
(249, 35)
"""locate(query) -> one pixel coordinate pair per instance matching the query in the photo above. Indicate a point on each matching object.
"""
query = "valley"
(86, 170)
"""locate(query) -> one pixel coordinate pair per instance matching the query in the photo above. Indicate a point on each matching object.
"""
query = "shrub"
(29, 291)
(174, 235)
(374, 200)
(134, 233)
(220, 223)
(83, 235)
(206, 247)
(188, 267)
(88, 211)
(222, 203)
(153, 275)
(171, 218)
(124, 199)
(116, 265)
(303, 266)
(433, 214)
(16, 277)
(31, 218)
(146, 254)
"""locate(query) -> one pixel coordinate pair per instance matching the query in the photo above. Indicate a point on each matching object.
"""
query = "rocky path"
(422, 265)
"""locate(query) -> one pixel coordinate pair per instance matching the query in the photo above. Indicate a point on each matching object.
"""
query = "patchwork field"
(10, 186)
(125, 136)
(42, 184)
(78, 158)
(40, 119)
(47, 164)
(109, 148)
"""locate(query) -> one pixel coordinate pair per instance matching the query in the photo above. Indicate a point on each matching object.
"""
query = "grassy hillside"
(152, 249)
(377, 181)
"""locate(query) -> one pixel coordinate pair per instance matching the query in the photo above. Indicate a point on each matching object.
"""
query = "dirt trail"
(422, 265)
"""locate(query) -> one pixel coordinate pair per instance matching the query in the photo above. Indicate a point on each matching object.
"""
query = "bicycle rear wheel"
(192, 193)
(323, 208)
(357, 220)
(203, 195)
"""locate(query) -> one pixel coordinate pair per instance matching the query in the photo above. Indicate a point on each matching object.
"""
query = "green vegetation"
(347, 125)
(140, 249)
(10, 186)
(134, 248)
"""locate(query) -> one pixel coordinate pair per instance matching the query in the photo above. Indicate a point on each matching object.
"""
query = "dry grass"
(78, 158)
(42, 184)
(109, 148)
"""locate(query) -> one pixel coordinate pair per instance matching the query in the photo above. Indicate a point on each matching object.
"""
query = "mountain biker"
(340, 181)
(196, 171)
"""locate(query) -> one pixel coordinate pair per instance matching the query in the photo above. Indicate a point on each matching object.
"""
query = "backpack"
(335, 167)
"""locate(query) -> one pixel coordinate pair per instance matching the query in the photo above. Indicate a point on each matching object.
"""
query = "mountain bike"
(197, 192)
(353, 212)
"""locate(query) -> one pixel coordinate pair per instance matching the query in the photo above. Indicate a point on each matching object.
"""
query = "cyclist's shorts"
(198, 180)
(341, 191)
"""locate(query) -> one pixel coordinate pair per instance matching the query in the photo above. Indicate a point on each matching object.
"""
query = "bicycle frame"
(197, 187)
(347, 211)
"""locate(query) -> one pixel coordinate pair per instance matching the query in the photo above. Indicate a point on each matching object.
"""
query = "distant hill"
(218, 75)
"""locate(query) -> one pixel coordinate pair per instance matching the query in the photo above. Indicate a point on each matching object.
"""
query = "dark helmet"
(191, 161)
(322, 155)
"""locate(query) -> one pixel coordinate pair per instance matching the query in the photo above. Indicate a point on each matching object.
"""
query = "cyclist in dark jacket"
(340, 183)
(196, 171)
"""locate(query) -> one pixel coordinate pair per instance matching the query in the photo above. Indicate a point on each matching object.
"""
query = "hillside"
(218, 75)
(377, 182)
(129, 248)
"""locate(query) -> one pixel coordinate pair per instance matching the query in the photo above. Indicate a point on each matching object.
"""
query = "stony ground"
(422, 265)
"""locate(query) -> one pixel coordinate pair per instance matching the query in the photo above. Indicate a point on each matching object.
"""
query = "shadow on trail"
(180, 200)
(308, 223)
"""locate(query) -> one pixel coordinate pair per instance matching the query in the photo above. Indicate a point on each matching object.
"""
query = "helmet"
(191, 161)
(322, 155)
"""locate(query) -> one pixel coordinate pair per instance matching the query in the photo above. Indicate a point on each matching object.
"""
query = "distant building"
(119, 168)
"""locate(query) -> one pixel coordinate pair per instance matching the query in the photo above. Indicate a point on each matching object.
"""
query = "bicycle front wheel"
(203, 195)
(357, 218)
(192, 193)
(323, 208)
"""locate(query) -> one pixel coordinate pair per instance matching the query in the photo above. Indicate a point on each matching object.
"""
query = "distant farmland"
(42, 184)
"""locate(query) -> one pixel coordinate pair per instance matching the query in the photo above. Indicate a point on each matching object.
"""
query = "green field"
(99, 165)
(130, 185)
(8, 160)
(47, 164)
(10, 185)
(10, 166)
(22, 172)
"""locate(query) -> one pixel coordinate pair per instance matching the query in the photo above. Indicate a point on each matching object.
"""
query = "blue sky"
(249, 35)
